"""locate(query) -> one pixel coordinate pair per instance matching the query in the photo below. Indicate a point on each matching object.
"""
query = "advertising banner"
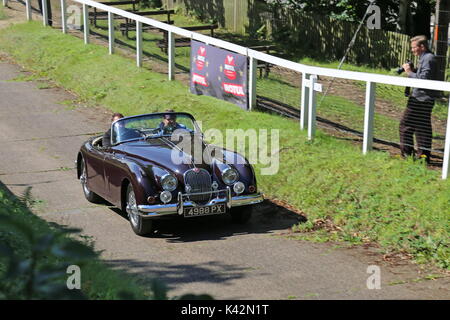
(219, 73)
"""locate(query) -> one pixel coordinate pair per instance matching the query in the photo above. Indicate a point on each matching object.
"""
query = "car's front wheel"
(241, 214)
(139, 225)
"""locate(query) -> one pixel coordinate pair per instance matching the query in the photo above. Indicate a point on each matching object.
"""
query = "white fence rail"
(309, 73)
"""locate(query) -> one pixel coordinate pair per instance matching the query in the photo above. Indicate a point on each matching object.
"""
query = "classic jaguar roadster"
(157, 168)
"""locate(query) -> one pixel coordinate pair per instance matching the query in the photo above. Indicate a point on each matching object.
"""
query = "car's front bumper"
(152, 211)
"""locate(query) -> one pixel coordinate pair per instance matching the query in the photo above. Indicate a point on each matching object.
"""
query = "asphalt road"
(40, 137)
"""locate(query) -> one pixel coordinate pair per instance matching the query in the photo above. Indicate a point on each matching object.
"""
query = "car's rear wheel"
(139, 225)
(242, 214)
(89, 195)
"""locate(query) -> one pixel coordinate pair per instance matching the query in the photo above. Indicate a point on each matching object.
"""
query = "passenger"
(107, 136)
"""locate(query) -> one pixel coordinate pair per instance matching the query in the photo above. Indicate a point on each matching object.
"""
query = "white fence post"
(446, 164)
(5, 3)
(171, 54)
(64, 16)
(111, 32)
(253, 63)
(369, 116)
(312, 108)
(139, 44)
(86, 23)
(304, 102)
(28, 9)
(44, 12)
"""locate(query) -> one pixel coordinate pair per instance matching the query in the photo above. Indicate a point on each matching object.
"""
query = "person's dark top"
(177, 126)
(427, 69)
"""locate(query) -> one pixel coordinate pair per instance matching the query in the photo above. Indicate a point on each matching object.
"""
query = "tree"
(405, 16)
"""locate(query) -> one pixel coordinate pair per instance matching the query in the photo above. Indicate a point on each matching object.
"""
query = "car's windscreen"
(150, 126)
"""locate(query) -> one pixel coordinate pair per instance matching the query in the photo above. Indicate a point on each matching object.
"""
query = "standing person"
(416, 119)
(49, 8)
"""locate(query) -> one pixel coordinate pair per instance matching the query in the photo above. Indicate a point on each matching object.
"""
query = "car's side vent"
(198, 180)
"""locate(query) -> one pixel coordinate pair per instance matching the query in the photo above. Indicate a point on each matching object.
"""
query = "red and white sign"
(234, 89)
(230, 67)
(199, 79)
(219, 73)
(201, 58)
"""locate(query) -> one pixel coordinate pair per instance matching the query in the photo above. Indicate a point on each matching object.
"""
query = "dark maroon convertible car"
(153, 169)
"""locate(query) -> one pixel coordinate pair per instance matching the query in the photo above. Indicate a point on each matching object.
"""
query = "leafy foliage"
(34, 260)
(353, 10)
(35, 264)
(150, 3)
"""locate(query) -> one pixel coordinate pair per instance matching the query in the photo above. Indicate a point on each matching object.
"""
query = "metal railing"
(310, 74)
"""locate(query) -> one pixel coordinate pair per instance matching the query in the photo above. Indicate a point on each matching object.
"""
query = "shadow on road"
(175, 275)
(267, 218)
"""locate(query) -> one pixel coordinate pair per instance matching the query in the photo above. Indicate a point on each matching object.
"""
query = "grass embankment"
(41, 255)
(401, 205)
(333, 107)
(2, 13)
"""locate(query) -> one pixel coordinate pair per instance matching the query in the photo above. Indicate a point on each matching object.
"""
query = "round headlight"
(169, 182)
(239, 187)
(165, 196)
(230, 176)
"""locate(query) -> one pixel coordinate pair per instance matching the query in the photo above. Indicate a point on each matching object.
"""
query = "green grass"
(333, 107)
(151, 38)
(393, 94)
(399, 204)
(98, 280)
(348, 113)
(3, 15)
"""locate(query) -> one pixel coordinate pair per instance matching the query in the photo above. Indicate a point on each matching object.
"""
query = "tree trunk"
(403, 14)
(422, 19)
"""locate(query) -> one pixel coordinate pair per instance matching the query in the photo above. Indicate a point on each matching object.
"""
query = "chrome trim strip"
(163, 177)
(150, 211)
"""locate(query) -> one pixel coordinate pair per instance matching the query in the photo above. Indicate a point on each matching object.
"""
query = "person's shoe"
(424, 157)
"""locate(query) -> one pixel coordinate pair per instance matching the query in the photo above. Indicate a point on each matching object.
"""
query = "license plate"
(204, 211)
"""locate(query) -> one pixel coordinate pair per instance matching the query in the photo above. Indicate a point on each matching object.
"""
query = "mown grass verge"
(2, 13)
(401, 205)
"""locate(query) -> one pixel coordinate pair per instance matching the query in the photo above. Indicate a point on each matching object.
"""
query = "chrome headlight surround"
(238, 187)
(165, 196)
(169, 182)
(230, 176)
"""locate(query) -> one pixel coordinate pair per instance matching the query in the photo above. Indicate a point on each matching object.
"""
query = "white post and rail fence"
(309, 73)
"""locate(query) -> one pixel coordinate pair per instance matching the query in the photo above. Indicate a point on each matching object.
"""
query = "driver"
(169, 122)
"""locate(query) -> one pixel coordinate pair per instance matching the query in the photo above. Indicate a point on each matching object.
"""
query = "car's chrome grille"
(197, 181)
